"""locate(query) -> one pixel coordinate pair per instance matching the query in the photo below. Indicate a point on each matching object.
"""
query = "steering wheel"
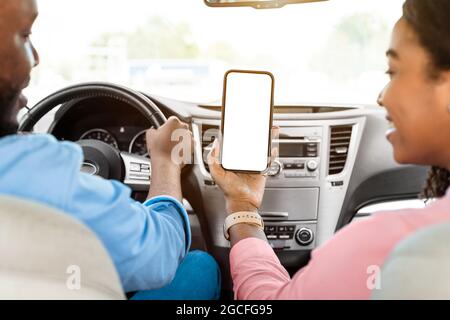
(100, 158)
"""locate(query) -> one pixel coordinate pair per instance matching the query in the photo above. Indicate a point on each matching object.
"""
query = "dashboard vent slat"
(339, 146)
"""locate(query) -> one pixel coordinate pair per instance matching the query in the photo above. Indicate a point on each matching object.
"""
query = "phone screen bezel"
(222, 128)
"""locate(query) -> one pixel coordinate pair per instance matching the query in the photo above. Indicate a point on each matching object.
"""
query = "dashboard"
(107, 120)
(326, 171)
(123, 136)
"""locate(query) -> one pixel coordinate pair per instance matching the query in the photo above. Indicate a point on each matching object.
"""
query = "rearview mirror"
(258, 4)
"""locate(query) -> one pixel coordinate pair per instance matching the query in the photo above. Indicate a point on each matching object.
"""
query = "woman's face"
(416, 103)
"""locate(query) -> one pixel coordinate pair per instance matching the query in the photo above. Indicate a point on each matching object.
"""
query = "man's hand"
(171, 144)
(170, 148)
(243, 191)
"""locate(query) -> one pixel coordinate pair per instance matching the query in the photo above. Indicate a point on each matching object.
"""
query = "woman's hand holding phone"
(243, 191)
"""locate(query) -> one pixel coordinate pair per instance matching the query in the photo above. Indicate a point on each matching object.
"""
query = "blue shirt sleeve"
(181, 209)
(147, 242)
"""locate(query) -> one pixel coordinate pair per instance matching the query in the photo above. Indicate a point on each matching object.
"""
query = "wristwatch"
(251, 218)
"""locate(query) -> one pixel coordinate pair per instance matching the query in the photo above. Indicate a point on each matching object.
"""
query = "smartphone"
(247, 113)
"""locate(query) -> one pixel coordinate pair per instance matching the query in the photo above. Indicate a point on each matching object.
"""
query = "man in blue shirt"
(149, 243)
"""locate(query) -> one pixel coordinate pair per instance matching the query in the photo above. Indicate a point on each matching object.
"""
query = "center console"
(305, 188)
(290, 214)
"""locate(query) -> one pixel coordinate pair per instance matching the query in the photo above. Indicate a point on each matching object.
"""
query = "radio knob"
(312, 165)
(304, 236)
(274, 169)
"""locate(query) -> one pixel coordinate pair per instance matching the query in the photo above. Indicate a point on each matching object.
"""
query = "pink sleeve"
(341, 269)
(256, 271)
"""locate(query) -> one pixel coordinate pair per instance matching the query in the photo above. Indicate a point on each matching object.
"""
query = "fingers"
(173, 140)
(216, 149)
(214, 162)
(172, 124)
(177, 123)
(213, 155)
(150, 132)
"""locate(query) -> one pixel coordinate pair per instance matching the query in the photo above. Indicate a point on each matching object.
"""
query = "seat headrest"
(418, 267)
(47, 254)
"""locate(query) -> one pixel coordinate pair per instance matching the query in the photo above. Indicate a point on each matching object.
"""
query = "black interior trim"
(396, 184)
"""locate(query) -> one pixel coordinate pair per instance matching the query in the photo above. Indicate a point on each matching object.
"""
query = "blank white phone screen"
(246, 131)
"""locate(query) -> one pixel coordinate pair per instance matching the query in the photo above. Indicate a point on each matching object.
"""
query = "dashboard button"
(299, 166)
(295, 174)
(289, 166)
(304, 236)
(312, 165)
(289, 175)
(274, 169)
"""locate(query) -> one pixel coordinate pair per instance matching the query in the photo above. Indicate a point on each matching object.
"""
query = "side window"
(372, 209)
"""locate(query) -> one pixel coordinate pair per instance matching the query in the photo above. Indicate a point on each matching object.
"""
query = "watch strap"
(251, 218)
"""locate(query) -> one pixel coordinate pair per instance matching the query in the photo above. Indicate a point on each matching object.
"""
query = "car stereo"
(298, 158)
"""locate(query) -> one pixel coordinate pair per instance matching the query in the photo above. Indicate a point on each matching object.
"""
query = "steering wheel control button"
(137, 171)
(139, 177)
(145, 168)
(136, 167)
(304, 236)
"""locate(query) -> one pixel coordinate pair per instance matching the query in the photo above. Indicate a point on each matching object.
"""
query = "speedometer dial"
(139, 144)
(101, 135)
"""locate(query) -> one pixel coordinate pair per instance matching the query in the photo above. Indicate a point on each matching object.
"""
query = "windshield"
(326, 52)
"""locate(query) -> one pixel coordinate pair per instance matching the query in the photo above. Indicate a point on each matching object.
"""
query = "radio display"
(297, 150)
(292, 150)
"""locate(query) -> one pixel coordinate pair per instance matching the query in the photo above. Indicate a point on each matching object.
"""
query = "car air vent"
(209, 132)
(339, 147)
